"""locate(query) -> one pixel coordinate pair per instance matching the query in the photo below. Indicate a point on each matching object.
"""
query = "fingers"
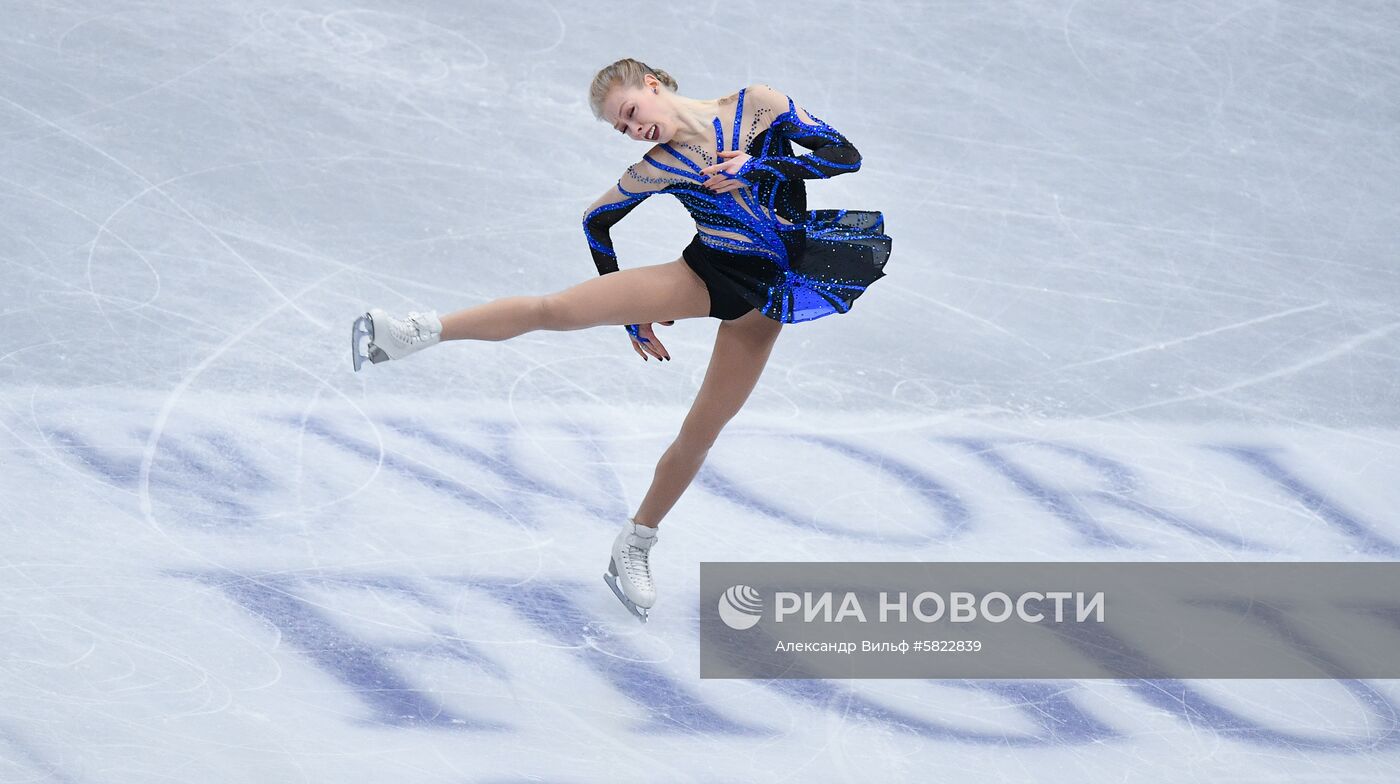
(646, 344)
(724, 184)
(726, 166)
(653, 348)
(722, 166)
(721, 176)
(648, 349)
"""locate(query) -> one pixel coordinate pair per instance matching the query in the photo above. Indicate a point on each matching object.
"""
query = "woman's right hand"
(644, 340)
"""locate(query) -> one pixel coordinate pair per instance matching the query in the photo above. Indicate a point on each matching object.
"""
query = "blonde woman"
(759, 259)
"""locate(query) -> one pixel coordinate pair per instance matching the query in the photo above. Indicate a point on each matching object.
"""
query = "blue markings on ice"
(303, 577)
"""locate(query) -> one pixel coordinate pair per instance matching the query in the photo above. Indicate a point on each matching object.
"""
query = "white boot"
(379, 337)
(629, 571)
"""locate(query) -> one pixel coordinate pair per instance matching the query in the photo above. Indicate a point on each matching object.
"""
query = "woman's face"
(640, 112)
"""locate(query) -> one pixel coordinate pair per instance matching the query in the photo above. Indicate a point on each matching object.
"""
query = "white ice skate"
(629, 573)
(379, 337)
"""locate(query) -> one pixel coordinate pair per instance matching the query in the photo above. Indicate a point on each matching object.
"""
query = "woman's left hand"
(724, 176)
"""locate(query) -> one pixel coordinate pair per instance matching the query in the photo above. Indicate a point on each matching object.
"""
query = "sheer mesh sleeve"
(832, 153)
(637, 183)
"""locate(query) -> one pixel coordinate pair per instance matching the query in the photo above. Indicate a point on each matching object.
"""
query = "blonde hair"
(625, 72)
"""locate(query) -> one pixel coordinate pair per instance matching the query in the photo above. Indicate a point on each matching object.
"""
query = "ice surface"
(1142, 305)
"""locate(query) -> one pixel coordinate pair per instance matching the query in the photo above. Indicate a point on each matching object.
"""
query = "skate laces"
(414, 328)
(636, 563)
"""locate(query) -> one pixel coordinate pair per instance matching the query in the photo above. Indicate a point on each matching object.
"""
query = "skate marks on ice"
(433, 574)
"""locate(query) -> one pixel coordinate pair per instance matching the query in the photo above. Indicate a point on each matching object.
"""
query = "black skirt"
(831, 260)
(725, 302)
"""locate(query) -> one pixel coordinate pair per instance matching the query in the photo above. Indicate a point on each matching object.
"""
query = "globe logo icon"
(740, 607)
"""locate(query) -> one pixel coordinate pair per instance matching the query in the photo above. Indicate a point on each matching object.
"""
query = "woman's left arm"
(832, 153)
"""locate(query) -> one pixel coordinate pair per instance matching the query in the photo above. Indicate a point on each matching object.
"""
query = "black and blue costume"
(758, 247)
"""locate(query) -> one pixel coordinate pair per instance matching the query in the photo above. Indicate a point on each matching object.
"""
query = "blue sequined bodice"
(764, 219)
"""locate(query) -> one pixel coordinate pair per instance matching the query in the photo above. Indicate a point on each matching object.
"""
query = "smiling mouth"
(653, 132)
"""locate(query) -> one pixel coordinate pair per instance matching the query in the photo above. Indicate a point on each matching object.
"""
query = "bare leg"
(660, 292)
(742, 347)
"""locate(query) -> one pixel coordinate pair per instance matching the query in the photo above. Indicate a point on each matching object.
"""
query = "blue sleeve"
(832, 153)
(603, 214)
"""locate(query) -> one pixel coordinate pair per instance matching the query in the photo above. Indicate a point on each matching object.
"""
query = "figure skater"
(758, 260)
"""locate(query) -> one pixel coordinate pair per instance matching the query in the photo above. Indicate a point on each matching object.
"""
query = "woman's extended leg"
(660, 292)
(742, 347)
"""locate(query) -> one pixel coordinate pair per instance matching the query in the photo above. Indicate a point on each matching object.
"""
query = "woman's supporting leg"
(742, 347)
(660, 292)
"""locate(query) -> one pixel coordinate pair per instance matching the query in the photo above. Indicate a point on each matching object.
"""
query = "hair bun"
(665, 78)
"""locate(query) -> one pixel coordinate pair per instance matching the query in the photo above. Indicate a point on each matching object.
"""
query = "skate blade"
(361, 329)
(639, 612)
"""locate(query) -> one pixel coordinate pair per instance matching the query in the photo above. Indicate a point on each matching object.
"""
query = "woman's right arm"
(610, 208)
(631, 189)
